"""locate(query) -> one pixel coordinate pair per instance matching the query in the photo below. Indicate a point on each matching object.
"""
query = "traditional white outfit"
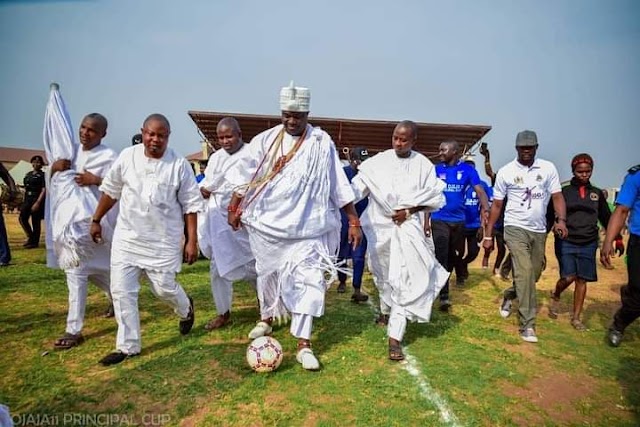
(229, 250)
(68, 207)
(401, 258)
(294, 222)
(95, 267)
(154, 195)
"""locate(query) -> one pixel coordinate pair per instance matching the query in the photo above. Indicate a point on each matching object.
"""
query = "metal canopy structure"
(375, 135)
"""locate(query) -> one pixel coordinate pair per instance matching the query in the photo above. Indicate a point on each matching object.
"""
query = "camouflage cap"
(526, 138)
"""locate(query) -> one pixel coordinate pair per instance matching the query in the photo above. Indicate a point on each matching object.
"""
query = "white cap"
(295, 98)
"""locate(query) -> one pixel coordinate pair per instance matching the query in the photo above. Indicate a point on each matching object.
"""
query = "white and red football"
(264, 354)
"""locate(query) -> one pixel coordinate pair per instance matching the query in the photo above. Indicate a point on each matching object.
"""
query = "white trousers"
(222, 289)
(397, 323)
(78, 283)
(125, 286)
(301, 325)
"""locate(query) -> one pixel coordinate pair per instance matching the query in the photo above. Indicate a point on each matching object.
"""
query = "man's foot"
(31, 246)
(395, 350)
(578, 325)
(342, 288)
(4, 264)
(382, 320)
(460, 281)
(554, 305)
(614, 337)
(261, 329)
(68, 341)
(445, 305)
(529, 335)
(306, 357)
(505, 307)
(187, 324)
(218, 322)
(109, 313)
(358, 296)
(115, 358)
(496, 272)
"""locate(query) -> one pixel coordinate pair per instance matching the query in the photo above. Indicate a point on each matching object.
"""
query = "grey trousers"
(527, 254)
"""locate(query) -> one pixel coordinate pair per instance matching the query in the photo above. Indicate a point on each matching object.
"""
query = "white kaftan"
(401, 258)
(294, 220)
(154, 196)
(229, 250)
(95, 266)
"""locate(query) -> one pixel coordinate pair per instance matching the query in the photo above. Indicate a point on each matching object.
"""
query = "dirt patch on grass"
(557, 394)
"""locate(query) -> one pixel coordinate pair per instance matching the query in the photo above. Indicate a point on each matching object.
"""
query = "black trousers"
(31, 228)
(630, 293)
(472, 243)
(446, 239)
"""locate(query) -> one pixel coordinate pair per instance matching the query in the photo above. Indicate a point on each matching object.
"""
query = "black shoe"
(342, 288)
(460, 281)
(445, 305)
(359, 297)
(187, 324)
(115, 358)
(109, 313)
(615, 337)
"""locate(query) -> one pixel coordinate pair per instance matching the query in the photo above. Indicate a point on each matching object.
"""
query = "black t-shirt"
(586, 205)
(33, 183)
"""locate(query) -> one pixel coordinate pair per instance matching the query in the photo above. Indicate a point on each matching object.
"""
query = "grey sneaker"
(505, 307)
(614, 337)
(529, 335)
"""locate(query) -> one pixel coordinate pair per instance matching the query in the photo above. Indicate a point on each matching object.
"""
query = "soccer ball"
(264, 354)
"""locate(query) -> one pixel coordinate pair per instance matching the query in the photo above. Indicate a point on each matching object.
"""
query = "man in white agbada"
(291, 210)
(91, 163)
(158, 196)
(401, 183)
(228, 250)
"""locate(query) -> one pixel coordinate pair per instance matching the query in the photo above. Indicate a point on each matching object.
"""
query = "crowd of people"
(285, 214)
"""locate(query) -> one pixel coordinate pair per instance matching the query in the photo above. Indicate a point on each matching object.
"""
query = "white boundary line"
(412, 366)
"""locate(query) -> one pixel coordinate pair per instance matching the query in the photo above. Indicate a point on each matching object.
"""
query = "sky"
(567, 69)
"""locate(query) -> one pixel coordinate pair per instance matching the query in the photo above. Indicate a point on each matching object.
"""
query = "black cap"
(360, 153)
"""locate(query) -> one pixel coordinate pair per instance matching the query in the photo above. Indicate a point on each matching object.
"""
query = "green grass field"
(466, 368)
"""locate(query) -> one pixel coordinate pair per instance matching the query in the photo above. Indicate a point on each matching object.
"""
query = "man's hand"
(205, 193)
(60, 165)
(487, 243)
(95, 231)
(605, 255)
(35, 207)
(87, 178)
(190, 252)
(354, 235)
(400, 216)
(560, 229)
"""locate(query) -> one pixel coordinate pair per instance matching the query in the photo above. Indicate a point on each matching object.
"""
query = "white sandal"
(308, 360)
(261, 329)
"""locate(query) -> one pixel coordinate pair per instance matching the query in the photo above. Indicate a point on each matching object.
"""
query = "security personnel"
(33, 205)
(627, 204)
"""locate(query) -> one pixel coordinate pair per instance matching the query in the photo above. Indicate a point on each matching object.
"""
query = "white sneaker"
(308, 360)
(261, 329)
(505, 308)
(529, 335)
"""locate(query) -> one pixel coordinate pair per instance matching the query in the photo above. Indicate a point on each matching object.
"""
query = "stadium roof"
(373, 134)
